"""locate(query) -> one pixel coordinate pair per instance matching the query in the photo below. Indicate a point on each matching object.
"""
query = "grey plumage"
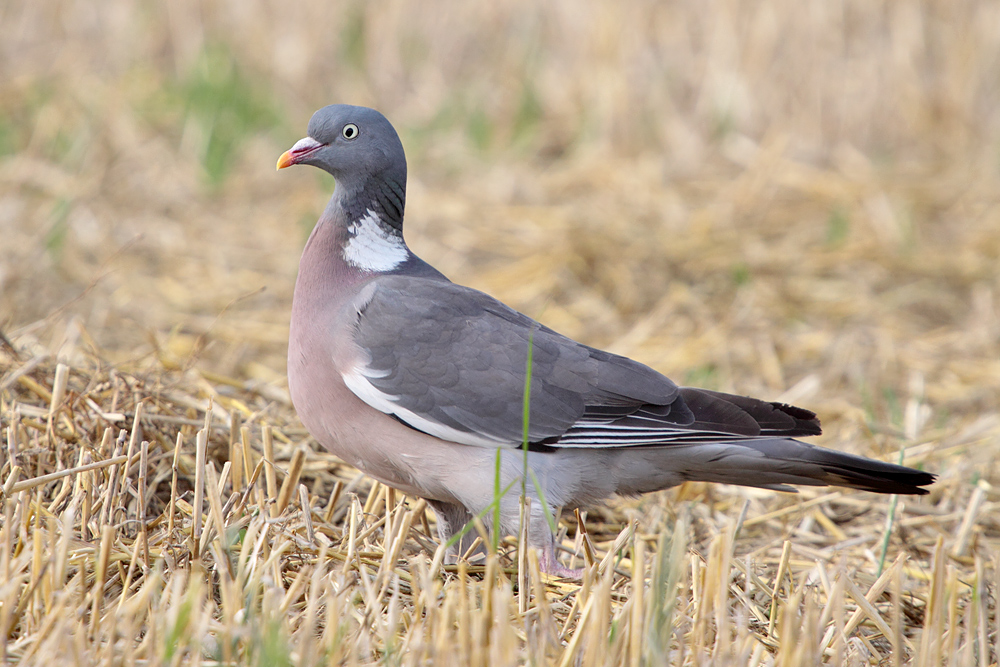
(419, 382)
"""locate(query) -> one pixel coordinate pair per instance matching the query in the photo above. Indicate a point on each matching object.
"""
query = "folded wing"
(453, 362)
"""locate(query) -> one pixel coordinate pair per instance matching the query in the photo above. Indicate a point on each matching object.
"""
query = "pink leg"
(550, 565)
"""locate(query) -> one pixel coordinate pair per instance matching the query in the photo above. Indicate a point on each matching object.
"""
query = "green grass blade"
(889, 521)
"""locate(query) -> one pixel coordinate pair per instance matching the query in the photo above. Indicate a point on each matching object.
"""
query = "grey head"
(361, 150)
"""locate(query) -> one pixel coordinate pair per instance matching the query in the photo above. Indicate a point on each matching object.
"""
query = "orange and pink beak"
(302, 149)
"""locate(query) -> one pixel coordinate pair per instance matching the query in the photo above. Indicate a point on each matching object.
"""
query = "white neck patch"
(373, 248)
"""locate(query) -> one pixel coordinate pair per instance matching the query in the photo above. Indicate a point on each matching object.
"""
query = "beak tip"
(285, 160)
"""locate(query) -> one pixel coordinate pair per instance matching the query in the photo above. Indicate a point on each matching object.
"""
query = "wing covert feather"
(457, 356)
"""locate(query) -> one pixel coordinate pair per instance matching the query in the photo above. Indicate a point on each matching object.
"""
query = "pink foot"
(549, 565)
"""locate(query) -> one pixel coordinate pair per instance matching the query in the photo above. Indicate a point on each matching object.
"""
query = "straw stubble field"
(792, 200)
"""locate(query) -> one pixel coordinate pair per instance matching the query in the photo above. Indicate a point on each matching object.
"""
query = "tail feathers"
(774, 463)
(859, 473)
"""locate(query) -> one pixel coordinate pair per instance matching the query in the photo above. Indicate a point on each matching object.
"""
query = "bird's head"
(351, 143)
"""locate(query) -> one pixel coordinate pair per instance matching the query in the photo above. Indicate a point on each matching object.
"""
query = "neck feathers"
(371, 215)
(373, 245)
(383, 197)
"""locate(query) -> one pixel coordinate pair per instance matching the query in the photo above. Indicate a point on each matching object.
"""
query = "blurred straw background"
(796, 200)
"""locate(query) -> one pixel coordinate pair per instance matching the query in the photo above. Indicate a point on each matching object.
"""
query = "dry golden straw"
(790, 200)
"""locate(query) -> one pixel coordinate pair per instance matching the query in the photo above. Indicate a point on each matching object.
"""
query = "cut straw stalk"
(11, 482)
(133, 439)
(374, 497)
(786, 551)
(394, 541)
(213, 490)
(252, 486)
(100, 576)
(143, 468)
(996, 608)
(12, 438)
(58, 393)
(636, 625)
(306, 509)
(27, 484)
(109, 498)
(201, 444)
(290, 482)
(589, 554)
(331, 504)
(127, 581)
(963, 538)
(615, 551)
(267, 439)
(352, 534)
(236, 450)
(930, 639)
(171, 508)
(246, 457)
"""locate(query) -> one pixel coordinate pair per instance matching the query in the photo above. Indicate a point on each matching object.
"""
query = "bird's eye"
(350, 131)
